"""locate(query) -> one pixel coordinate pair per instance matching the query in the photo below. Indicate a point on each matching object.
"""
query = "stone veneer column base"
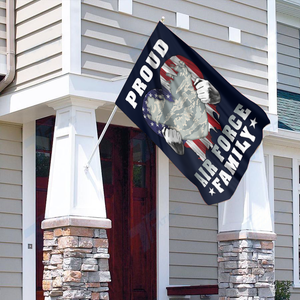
(246, 265)
(75, 259)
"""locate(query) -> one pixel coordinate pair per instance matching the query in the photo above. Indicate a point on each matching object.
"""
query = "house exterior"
(130, 225)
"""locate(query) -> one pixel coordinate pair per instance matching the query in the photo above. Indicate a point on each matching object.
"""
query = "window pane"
(42, 164)
(105, 148)
(106, 171)
(139, 150)
(44, 137)
(139, 176)
(42, 143)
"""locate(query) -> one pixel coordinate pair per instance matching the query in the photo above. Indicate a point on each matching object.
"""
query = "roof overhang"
(33, 102)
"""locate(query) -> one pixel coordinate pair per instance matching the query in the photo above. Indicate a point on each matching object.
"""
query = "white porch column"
(74, 191)
(75, 240)
(246, 248)
(249, 207)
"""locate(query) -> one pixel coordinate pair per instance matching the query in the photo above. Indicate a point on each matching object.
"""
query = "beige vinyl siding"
(283, 197)
(10, 212)
(193, 234)
(283, 218)
(288, 58)
(2, 26)
(112, 41)
(38, 42)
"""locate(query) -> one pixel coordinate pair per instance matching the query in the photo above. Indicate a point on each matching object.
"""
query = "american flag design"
(189, 119)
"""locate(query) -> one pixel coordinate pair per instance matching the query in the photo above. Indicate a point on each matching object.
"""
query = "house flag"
(205, 126)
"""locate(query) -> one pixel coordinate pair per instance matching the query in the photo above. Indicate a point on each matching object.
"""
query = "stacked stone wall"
(246, 270)
(75, 264)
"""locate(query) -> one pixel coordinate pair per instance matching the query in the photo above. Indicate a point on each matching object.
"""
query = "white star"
(143, 109)
(211, 191)
(152, 123)
(155, 95)
(159, 131)
(253, 123)
(144, 116)
(157, 125)
(168, 96)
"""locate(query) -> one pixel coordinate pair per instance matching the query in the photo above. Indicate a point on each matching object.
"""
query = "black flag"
(205, 126)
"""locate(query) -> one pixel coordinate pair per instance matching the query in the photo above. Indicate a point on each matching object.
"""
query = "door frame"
(29, 223)
(162, 225)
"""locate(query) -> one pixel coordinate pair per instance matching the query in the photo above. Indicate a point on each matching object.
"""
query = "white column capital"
(249, 207)
(75, 101)
(74, 190)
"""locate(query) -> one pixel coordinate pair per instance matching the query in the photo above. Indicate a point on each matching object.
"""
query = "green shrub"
(282, 290)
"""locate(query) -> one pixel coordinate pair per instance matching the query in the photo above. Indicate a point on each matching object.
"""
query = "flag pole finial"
(162, 19)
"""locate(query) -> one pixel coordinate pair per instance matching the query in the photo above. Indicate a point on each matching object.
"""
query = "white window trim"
(288, 14)
(269, 162)
(272, 56)
(162, 224)
(29, 219)
(293, 153)
(296, 190)
(71, 36)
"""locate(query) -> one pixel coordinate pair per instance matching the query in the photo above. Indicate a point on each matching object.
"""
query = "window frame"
(296, 194)
(287, 150)
(287, 13)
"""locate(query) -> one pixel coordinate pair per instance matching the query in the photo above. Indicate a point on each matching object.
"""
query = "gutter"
(10, 45)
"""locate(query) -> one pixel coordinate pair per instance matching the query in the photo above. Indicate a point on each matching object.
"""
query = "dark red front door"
(128, 168)
(44, 137)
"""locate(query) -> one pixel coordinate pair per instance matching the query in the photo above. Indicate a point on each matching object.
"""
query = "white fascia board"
(288, 20)
(36, 95)
(285, 138)
(40, 95)
(81, 86)
(94, 88)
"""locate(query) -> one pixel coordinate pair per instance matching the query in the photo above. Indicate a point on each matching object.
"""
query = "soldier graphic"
(178, 111)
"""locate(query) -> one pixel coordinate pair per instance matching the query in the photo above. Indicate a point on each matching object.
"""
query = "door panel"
(143, 216)
(112, 164)
(130, 202)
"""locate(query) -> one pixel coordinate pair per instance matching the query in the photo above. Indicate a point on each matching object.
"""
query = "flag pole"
(101, 136)
(106, 126)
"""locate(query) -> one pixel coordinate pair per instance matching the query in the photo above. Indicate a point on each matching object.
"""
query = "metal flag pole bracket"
(162, 19)
(101, 137)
